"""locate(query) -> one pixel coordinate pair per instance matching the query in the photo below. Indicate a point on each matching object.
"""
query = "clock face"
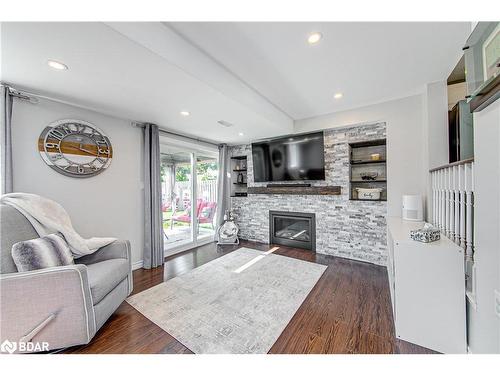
(75, 148)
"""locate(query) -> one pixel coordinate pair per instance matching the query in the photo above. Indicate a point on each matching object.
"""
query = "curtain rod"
(33, 98)
(21, 95)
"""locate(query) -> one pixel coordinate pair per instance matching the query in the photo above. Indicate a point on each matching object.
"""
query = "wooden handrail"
(460, 162)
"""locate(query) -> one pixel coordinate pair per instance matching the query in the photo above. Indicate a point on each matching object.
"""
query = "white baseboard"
(137, 265)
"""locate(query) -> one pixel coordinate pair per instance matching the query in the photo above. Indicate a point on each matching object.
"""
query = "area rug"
(238, 303)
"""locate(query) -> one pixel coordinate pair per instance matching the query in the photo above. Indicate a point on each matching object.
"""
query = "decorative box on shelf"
(369, 193)
(425, 234)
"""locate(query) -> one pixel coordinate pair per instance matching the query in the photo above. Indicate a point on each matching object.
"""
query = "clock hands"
(87, 151)
(97, 156)
(81, 148)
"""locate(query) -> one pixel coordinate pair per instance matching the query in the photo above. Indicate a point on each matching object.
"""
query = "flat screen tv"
(291, 158)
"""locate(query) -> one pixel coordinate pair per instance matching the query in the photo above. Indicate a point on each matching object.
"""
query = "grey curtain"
(223, 200)
(153, 231)
(6, 141)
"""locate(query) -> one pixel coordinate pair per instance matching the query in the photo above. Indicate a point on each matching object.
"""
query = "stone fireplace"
(344, 227)
(296, 229)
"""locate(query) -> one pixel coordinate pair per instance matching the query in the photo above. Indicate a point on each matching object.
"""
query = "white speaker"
(413, 208)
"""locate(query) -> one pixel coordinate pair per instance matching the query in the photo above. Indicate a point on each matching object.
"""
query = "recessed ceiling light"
(241, 134)
(314, 37)
(225, 123)
(338, 95)
(57, 65)
(185, 113)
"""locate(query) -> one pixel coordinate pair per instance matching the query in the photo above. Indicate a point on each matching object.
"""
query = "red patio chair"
(185, 217)
(207, 213)
(165, 206)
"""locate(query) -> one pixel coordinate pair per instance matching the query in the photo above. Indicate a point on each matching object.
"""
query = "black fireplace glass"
(294, 229)
(297, 229)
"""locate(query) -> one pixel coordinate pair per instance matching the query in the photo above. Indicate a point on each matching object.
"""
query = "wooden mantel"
(296, 190)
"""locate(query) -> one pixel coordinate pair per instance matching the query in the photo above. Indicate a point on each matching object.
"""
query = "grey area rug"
(238, 303)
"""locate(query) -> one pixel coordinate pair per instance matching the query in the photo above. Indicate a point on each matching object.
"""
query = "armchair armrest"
(115, 250)
(52, 305)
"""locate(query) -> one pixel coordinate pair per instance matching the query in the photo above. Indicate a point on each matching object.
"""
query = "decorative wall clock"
(75, 148)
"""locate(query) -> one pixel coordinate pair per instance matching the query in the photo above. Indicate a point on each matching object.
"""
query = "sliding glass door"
(176, 172)
(207, 171)
(189, 200)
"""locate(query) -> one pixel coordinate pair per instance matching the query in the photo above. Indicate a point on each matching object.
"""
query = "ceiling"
(114, 74)
(367, 62)
(260, 77)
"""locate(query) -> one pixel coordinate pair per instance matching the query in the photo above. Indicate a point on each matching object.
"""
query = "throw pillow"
(43, 252)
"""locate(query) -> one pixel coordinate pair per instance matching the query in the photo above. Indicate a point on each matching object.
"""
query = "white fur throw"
(48, 217)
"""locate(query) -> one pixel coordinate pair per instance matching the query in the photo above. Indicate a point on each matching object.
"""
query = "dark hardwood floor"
(348, 311)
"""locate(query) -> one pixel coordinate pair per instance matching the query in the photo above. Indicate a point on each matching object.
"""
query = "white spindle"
(461, 187)
(468, 210)
(442, 203)
(438, 203)
(434, 198)
(451, 223)
(445, 205)
(452, 206)
(456, 201)
(451, 214)
(439, 200)
(447, 202)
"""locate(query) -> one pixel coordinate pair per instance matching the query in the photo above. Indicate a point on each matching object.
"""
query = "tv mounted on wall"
(291, 158)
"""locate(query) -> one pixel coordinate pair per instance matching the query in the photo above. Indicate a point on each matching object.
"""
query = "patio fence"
(207, 190)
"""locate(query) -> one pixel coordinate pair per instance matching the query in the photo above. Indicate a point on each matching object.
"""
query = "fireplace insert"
(295, 229)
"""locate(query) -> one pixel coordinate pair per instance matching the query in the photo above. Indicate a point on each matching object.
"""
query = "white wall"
(484, 326)
(406, 165)
(436, 124)
(109, 204)
(435, 133)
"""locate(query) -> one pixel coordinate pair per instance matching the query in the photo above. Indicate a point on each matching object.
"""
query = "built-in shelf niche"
(238, 169)
(368, 168)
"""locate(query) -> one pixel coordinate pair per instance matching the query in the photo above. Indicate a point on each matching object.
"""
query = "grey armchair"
(62, 306)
